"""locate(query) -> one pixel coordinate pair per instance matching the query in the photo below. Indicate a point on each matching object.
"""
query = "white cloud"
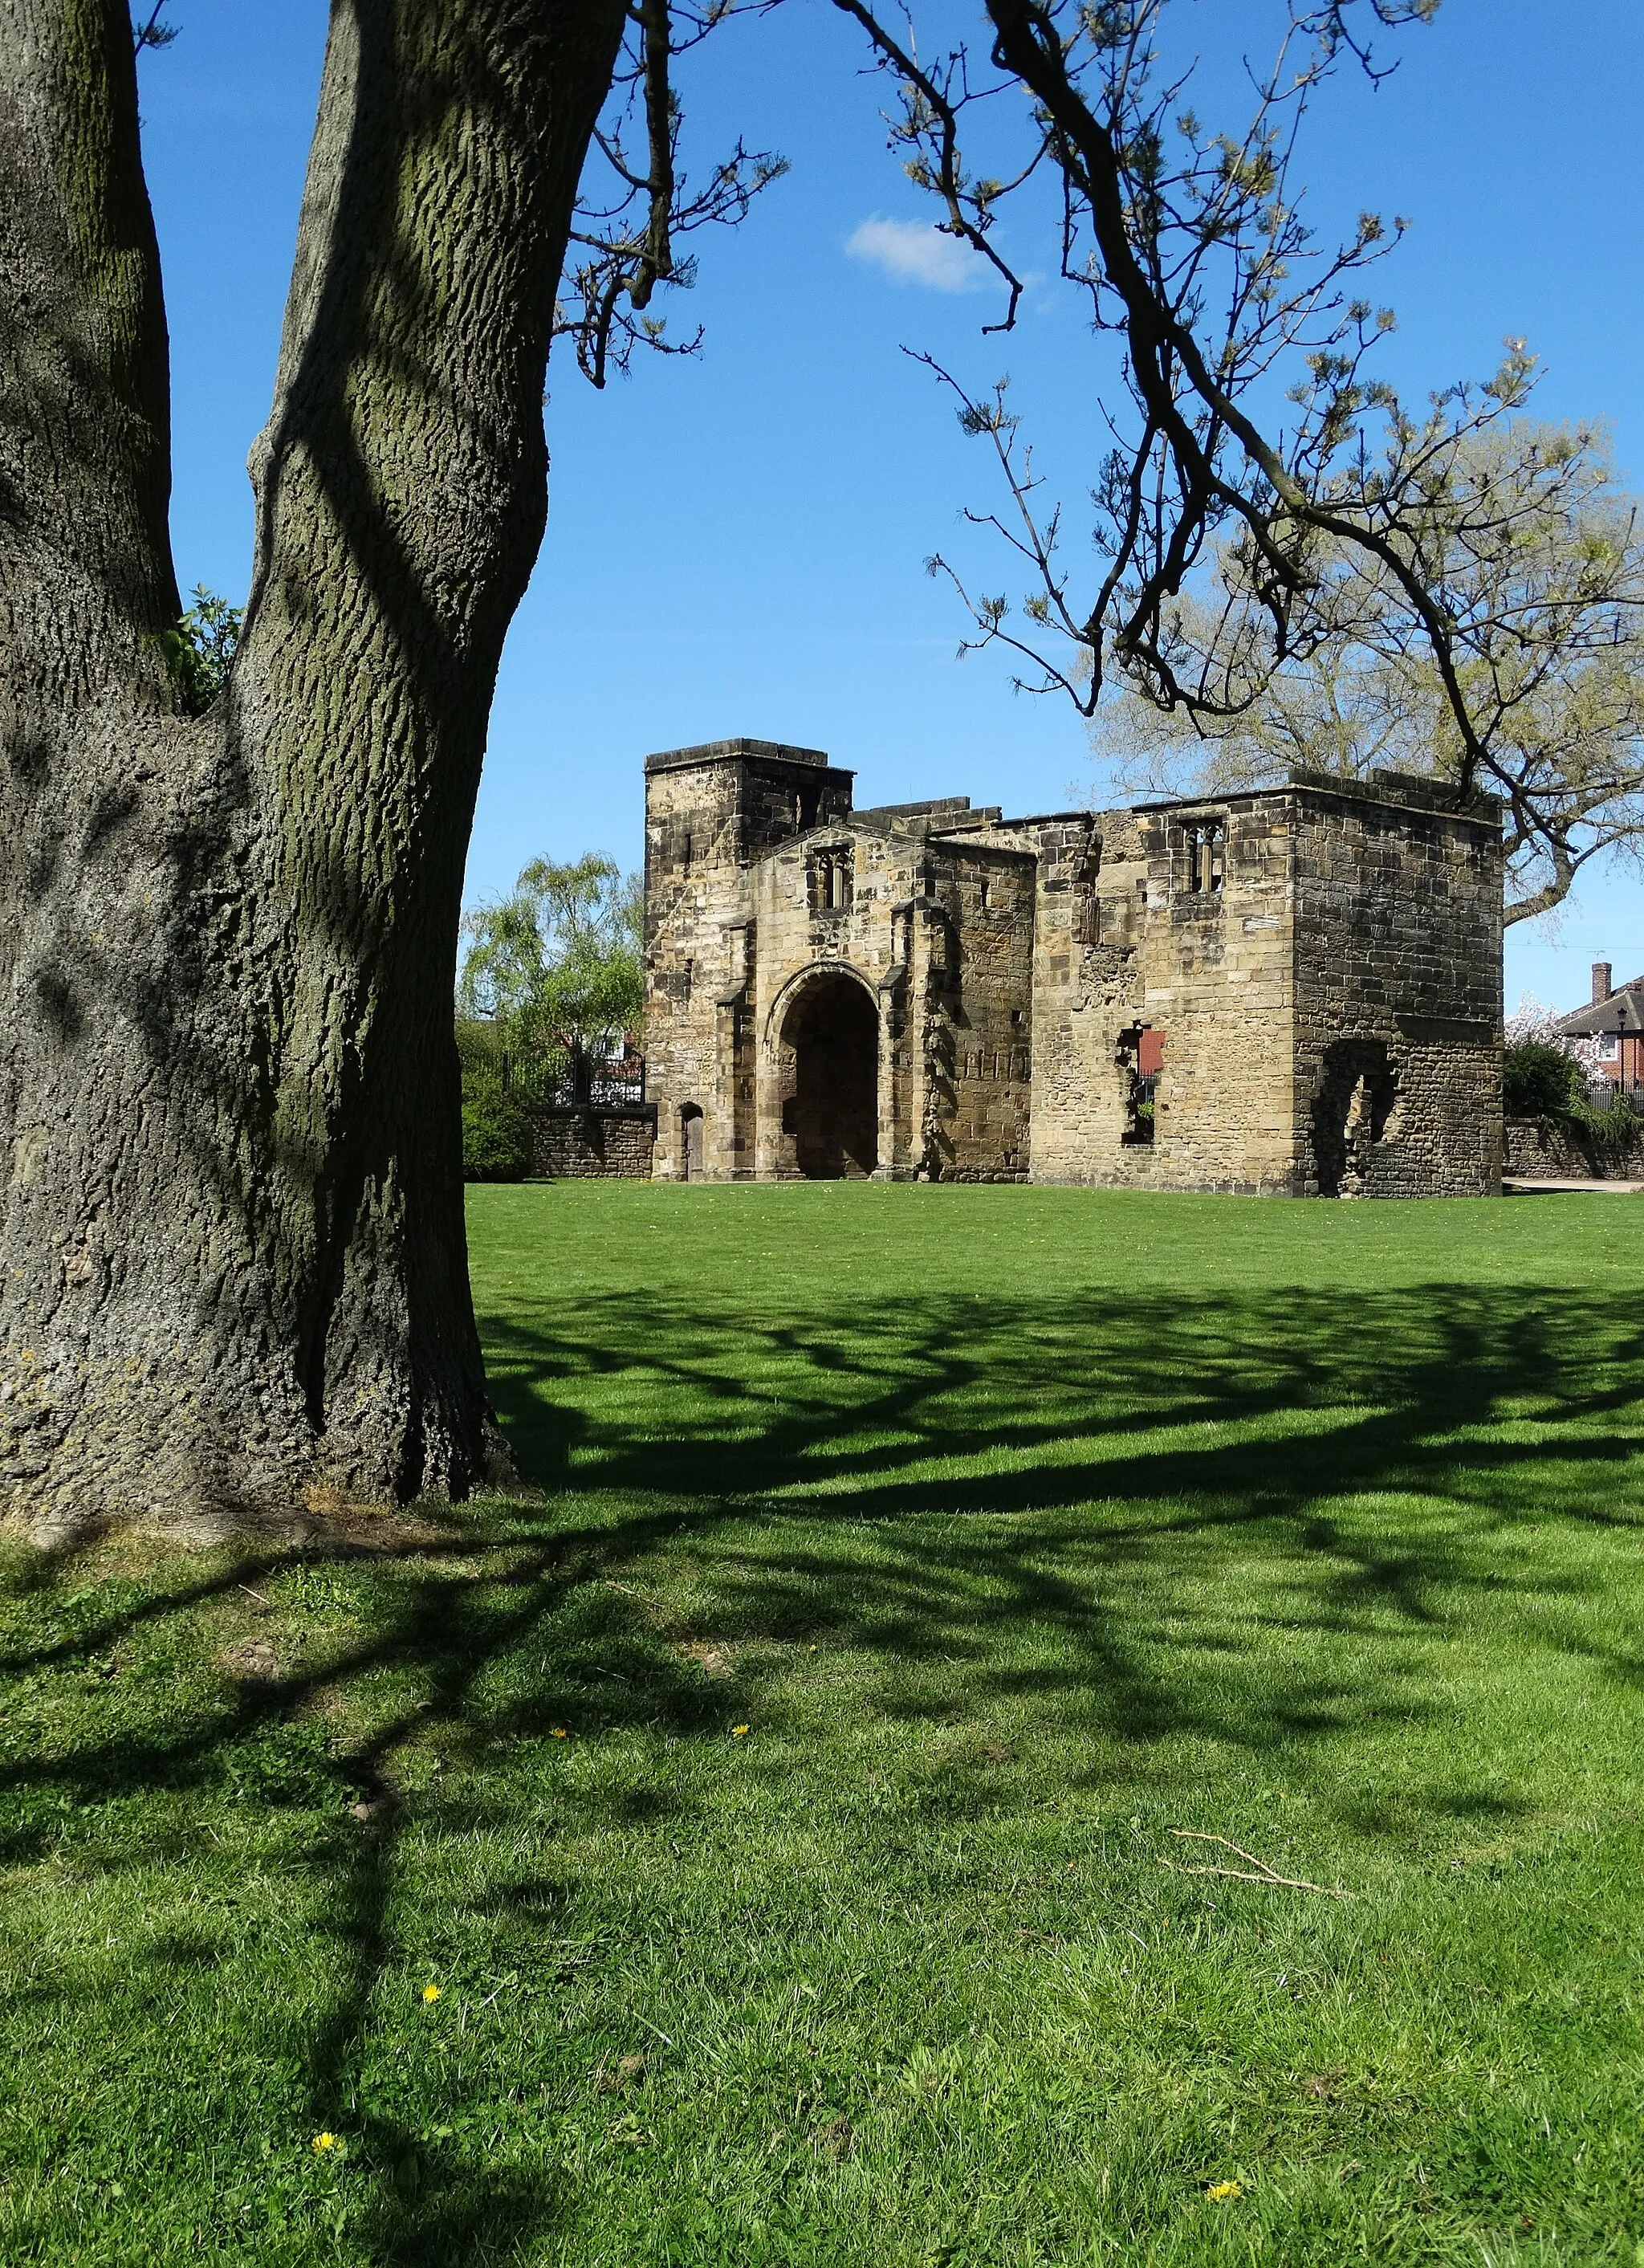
(914, 252)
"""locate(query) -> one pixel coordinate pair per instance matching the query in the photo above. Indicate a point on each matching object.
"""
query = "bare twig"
(153, 34)
(625, 246)
(1265, 1873)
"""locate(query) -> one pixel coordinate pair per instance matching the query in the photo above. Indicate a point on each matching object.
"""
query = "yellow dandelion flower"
(323, 2143)
(559, 1734)
(1225, 2190)
(737, 1730)
(431, 1992)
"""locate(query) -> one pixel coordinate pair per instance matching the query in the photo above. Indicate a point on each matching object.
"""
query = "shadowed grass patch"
(1017, 1527)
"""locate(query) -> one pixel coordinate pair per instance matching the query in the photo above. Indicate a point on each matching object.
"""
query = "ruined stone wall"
(1217, 982)
(979, 1019)
(1399, 992)
(613, 1143)
(709, 813)
(1537, 1152)
(1163, 937)
(1078, 1116)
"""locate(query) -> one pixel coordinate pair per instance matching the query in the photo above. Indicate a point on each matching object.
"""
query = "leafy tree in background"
(1544, 565)
(559, 968)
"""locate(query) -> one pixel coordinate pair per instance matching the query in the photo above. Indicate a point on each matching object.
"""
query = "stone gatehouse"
(1295, 991)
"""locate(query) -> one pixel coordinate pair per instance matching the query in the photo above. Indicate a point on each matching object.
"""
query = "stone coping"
(1402, 789)
(647, 1110)
(721, 752)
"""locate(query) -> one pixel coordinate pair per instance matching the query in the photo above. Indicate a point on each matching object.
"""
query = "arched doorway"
(690, 1142)
(833, 1111)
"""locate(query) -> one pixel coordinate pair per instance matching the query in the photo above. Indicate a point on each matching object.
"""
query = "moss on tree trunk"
(234, 1264)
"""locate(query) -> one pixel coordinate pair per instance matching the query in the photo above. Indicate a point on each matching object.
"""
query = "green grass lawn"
(788, 1798)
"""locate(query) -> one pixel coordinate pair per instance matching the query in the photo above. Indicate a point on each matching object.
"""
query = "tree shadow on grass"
(856, 1404)
(1047, 1498)
(1170, 1431)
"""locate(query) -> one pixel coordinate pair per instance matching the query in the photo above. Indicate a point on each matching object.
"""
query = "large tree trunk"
(235, 1280)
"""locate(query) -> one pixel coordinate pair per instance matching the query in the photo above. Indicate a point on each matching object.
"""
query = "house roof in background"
(1622, 1011)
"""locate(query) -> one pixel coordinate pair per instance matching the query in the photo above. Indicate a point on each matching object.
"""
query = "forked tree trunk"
(234, 1270)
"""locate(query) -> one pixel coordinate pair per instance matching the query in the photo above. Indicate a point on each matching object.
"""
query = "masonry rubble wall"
(1163, 935)
(1219, 977)
(1083, 982)
(1399, 991)
(1319, 968)
(616, 1142)
(1538, 1151)
(977, 1019)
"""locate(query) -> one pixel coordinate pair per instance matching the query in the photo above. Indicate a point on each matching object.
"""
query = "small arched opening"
(690, 1142)
(832, 1029)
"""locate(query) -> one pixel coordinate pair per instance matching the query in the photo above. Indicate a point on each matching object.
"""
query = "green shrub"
(482, 1050)
(496, 1135)
(1612, 1129)
(1539, 1080)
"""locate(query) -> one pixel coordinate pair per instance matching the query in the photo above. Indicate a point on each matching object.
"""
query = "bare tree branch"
(1188, 246)
(1538, 550)
(153, 34)
(624, 237)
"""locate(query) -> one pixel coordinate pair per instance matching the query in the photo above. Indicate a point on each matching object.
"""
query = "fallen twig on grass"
(1263, 1875)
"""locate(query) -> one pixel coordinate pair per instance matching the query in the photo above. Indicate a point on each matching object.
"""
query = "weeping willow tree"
(556, 968)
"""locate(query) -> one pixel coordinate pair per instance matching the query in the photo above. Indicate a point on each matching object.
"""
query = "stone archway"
(690, 1142)
(832, 1029)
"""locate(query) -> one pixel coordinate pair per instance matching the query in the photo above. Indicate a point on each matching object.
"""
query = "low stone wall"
(1537, 1152)
(613, 1143)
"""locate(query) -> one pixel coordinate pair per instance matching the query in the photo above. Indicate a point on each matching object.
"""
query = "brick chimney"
(1601, 982)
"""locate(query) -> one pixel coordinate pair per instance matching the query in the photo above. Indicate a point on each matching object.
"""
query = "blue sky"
(735, 544)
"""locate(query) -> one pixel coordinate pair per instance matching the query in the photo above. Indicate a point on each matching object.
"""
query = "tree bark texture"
(235, 1273)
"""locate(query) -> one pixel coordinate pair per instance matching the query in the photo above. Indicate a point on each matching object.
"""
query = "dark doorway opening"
(1357, 1091)
(833, 1112)
(1141, 1060)
(690, 1141)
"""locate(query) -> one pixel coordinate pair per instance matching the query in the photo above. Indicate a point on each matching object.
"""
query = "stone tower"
(711, 813)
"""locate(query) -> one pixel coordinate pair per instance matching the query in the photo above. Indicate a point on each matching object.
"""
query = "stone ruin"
(1295, 991)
